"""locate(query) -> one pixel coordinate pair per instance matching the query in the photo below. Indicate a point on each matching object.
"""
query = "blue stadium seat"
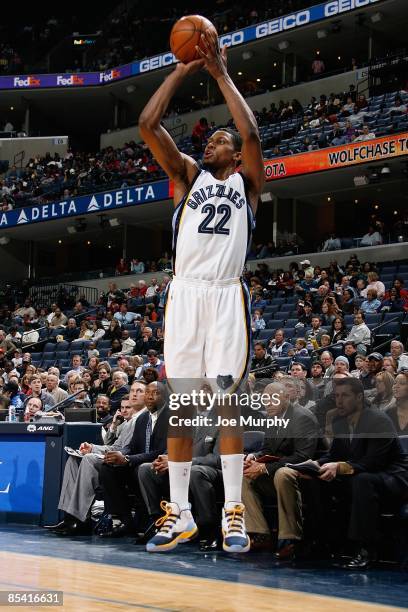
(307, 361)
(132, 334)
(103, 353)
(104, 344)
(64, 363)
(393, 315)
(49, 347)
(283, 362)
(264, 334)
(349, 319)
(275, 323)
(302, 332)
(36, 356)
(292, 322)
(286, 307)
(278, 301)
(289, 332)
(372, 318)
(48, 355)
(62, 346)
(390, 328)
(403, 268)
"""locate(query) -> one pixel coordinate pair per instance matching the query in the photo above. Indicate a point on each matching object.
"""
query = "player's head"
(223, 149)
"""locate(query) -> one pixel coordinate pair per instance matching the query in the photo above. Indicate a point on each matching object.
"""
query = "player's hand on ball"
(214, 58)
(190, 68)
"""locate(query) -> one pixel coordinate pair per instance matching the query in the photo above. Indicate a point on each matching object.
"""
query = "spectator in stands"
(123, 316)
(116, 347)
(318, 66)
(315, 334)
(365, 134)
(338, 330)
(399, 107)
(146, 342)
(332, 243)
(71, 332)
(300, 349)
(361, 366)
(394, 303)
(374, 283)
(262, 365)
(14, 336)
(374, 366)
(347, 301)
(360, 333)
(121, 267)
(103, 382)
(137, 267)
(118, 389)
(316, 382)
(372, 238)
(114, 331)
(396, 349)
(279, 347)
(305, 313)
(270, 479)
(384, 398)
(350, 352)
(373, 470)
(85, 331)
(399, 412)
(36, 390)
(326, 359)
(390, 365)
(8, 346)
(257, 323)
(53, 388)
(298, 370)
(128, 344)
(30, 336)
(58, 319)
(199, 134)
(12, 392)
(371, 304)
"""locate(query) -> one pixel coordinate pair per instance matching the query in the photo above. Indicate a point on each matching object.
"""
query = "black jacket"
(294, 444)
(373, 447)
(158, 441)
(267, 365)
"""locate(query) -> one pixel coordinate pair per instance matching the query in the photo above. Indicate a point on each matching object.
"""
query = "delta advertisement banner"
(378, 149)
(99, 202)
(286, 23)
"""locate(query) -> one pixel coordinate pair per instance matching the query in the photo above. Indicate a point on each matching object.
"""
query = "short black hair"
(236, 138)
(261, 344)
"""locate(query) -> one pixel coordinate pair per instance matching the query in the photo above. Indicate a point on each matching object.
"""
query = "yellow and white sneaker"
(176, 526)
(236, 539)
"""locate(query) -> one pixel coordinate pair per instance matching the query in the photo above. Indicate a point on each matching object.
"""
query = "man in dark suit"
(366, 466)
(294, 443)
(205, 479)
(120, 470)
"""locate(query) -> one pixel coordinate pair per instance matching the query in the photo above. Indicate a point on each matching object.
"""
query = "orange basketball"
(186, 34)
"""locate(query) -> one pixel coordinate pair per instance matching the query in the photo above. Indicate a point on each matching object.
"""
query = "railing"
(45, 294)
(18, 159)
(178, 131)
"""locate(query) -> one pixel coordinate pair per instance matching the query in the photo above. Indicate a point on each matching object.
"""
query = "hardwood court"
(96, 587)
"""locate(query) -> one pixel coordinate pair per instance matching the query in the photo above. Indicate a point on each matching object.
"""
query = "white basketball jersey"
(212, 229)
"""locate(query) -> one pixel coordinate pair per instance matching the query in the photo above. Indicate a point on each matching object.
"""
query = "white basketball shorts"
(207, 329)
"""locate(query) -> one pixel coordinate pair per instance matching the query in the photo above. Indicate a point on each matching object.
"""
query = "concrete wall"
(220, 114)
(377, 254)
(9, 147)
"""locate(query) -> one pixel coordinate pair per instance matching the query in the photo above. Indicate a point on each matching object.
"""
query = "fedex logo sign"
(105, 77)
(29, 81)
(73, 79)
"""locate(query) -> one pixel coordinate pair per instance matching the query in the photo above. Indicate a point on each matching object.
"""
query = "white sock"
(232, 468)
(179, 476)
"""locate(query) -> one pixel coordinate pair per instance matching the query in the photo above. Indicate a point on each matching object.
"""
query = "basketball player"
(207, 312)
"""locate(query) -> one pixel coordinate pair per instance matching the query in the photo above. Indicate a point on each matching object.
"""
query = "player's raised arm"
(179, 167)
(244, 119)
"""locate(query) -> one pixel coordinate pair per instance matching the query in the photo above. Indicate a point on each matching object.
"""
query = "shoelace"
(235, 520)
(168, 520)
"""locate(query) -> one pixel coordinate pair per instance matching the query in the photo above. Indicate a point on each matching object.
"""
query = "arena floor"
(97, 575)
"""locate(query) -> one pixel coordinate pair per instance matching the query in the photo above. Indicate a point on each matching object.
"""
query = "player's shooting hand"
(215, 60)
(190, 68)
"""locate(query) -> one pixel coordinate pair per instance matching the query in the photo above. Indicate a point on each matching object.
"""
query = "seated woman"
(372, 304)
(384, 398)
(338, 330)
(394, 302)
